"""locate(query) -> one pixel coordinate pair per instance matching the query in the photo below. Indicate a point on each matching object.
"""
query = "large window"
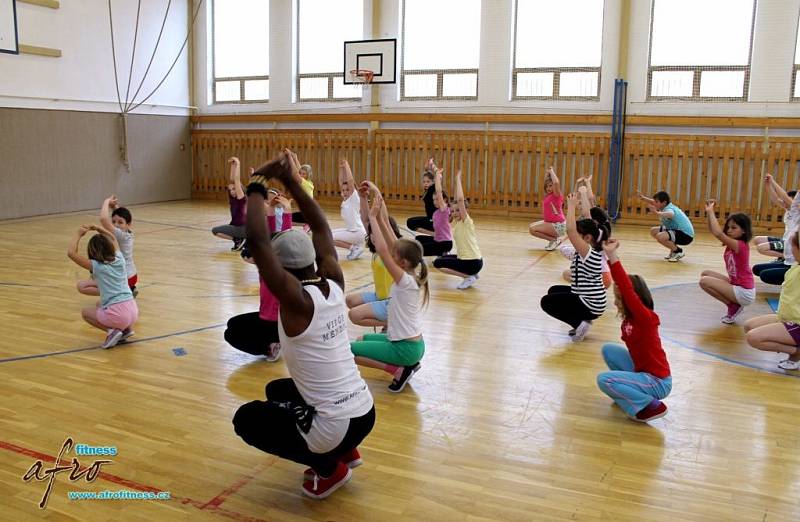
(322, 28)
(441, 49)
(557, 49)
(700, 49)
(241, 51)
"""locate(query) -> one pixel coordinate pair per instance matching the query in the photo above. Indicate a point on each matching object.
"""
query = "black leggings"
(771, 273)
(249, 333)
(272, 429)
(297, 217)
(465, 266)
(431, 247)
(414, 223)
(565, 306)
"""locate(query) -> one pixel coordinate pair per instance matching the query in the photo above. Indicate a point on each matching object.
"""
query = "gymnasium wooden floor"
(504, 422)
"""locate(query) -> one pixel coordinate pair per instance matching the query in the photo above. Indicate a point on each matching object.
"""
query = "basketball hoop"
(361, 76)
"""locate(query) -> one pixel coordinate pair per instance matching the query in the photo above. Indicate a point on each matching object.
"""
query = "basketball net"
(361, 76)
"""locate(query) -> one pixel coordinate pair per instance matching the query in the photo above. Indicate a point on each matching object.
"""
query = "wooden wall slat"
(503, 171)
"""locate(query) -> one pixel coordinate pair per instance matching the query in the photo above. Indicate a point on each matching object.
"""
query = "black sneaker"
(238, 243)
(408, 372)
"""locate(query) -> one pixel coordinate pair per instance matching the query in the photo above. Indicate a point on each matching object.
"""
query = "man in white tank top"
(319, 415)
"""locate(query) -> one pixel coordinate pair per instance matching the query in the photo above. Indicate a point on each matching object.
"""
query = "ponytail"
(422, 281)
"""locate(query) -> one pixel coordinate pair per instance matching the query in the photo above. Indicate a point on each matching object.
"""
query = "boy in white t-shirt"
(353, 234)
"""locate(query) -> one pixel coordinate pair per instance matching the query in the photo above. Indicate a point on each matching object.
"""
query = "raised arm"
(281, 283)
(438, 197)
(363, 202)
(382, 248)
(716, 230)
(586, 205)
(633, 304)
(327, 260)
(581, 246)
(555, 181)
(236, 177)
(72, 251)
(345, 174)
(784, 199)
(109, 204)
(644, 198)
(462, 205)
(589, 192)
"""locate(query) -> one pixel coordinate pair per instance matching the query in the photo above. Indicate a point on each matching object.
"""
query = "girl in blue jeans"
(640, 376)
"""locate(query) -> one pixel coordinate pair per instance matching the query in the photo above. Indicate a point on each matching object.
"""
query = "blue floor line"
(76, 350)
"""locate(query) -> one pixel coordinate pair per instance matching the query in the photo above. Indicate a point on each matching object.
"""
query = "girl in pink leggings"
(116, 311)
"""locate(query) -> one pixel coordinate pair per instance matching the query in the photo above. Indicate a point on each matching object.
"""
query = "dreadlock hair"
(411, 251)
(101, 249)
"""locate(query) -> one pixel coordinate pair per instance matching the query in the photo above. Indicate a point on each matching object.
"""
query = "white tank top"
(322, 366)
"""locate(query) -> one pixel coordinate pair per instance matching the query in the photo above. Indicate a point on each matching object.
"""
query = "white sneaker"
(676, 256)
(355, 252)
(581, 331)
(125, 334)
(112, 338)
(552, 245)
(273, 352)
(467, 282)
(788, 364)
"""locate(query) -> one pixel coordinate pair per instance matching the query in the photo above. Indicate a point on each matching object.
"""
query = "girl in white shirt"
(400, 349)
(353, 234)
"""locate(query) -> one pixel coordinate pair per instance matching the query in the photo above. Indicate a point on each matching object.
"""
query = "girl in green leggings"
(400, 349)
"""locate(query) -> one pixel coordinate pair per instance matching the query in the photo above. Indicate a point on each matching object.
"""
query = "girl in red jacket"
(639, 376)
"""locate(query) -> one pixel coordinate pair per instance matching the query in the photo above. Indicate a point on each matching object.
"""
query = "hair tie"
(600, 237)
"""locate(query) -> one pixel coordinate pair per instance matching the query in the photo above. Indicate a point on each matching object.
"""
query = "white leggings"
(347, 236)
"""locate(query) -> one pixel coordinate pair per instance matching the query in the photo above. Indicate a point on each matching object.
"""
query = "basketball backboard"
(378, 56)
(9, 43)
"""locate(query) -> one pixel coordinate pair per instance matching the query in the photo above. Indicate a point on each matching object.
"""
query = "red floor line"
(210, 506)
(233, 488)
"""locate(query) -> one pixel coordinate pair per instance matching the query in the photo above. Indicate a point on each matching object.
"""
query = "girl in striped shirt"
(585, 299)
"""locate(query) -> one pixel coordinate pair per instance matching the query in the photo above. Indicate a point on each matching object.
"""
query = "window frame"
(331, 76)
(240, 79)
(438, 72)
(698, 70)
(555, 70)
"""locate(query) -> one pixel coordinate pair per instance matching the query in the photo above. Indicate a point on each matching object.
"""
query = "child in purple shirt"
(238, 204)
(442, 241)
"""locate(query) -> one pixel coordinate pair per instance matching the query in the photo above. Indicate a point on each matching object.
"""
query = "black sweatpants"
(565, 306)
(413, 223)
(272, 429)
(431, 247)
(249, 333)
(465, 266)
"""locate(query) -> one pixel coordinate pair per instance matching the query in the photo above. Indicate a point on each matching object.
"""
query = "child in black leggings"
(585, 299)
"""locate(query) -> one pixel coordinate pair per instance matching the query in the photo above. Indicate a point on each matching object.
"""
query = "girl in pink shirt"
(554, 226)
(737, 289)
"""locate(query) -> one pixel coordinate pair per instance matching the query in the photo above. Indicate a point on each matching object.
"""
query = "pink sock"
(395, 371)
(733, 308)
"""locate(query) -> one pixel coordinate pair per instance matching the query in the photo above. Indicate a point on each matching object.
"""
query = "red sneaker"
(321, 487)
(352, 459)
(653, 411)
